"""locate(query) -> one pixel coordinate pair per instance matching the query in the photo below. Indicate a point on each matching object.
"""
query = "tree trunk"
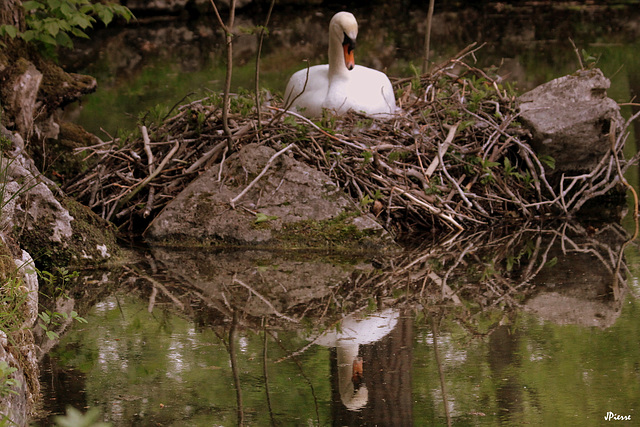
(11, 13)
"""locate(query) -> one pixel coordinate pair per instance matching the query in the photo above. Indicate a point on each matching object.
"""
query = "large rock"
(30, 93)
(292, 205)
(22, 95)
(54, 229)
(570, 119)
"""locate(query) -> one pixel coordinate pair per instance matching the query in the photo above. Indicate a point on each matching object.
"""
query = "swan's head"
(344, 27)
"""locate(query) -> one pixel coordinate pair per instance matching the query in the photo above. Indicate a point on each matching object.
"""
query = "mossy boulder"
(54, 229)
(291, 206)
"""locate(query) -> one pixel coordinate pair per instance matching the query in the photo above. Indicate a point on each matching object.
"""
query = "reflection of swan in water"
(347, 338)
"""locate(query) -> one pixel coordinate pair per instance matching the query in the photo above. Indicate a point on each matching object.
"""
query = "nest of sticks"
(455, 158)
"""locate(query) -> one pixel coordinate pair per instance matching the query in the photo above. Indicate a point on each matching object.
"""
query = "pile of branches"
(455, 158)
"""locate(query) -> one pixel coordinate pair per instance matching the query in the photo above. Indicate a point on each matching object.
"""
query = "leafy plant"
(58, 280)
(511, 170)
(7, 384)
(50, 319)
(366, 201)
(589, 59)
(367, 156)
(56, 283)
(12, 298)
(548, 160)
(52, 23)
(487, 174)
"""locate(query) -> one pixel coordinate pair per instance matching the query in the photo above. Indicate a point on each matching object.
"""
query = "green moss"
(336, 233)
(7, 266)
(90, 233)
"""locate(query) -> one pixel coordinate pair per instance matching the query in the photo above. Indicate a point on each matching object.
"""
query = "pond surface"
(537, 326)
(157, 368)
(534, 326)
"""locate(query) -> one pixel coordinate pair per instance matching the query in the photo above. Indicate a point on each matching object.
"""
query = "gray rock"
(27, 201)
(570, 118)
(23, 98)
(289, 193)
(48, 224)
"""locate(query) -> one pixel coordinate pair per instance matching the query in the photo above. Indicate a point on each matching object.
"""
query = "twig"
(266, 301)
(228, 36)
(427, 37)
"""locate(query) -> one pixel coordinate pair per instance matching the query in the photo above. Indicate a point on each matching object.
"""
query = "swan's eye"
(349, 42)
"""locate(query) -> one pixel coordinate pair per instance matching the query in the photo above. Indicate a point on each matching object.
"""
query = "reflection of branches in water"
(234, 368)
(479, 271)
(302, 374)
(265, 373)
(467, 273)
(436, 353)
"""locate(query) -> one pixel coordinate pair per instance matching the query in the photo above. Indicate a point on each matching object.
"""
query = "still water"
(536, 326)
(158, 368)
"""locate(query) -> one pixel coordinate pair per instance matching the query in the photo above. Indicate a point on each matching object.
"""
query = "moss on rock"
(93, 241)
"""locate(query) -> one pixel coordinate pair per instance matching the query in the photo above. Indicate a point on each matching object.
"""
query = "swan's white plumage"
(334, 86)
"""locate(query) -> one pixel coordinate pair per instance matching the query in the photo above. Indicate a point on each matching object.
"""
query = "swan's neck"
(337, 66)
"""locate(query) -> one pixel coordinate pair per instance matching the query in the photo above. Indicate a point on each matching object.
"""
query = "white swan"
(353, 333)
(341, 85)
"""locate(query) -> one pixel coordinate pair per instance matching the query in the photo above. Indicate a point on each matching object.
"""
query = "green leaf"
(46, 38)
(79, 33)
(52, 27)
(52, 335)
(367, 155)
(105, 15)
(75, 418)
(28, 35)
(81, 21)
(548, 160)
(260, 217)
(64, 25)
(86, 9)
(64, 40)
(67, 11)
(32, 5)
(54, 4)
(507, 165)
(8, 30)
(123, 12)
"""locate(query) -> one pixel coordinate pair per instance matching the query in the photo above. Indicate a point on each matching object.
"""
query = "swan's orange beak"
(349, 46)
(349, 59)
(357, 372)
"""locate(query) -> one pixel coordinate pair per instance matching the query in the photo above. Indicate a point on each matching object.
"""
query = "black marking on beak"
(349, 42)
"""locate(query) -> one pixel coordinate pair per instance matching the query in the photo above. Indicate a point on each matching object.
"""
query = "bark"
(11, 13)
